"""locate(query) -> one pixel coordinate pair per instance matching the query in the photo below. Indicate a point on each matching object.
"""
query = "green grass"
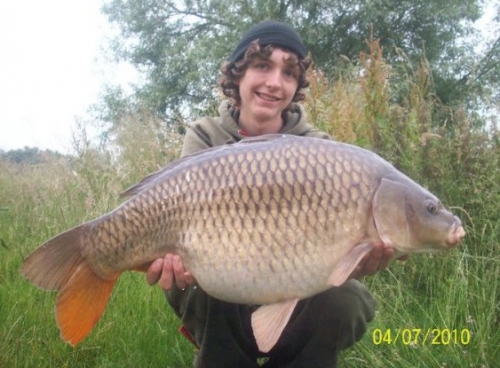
(455, 290)
(138, 327)
(445, 310)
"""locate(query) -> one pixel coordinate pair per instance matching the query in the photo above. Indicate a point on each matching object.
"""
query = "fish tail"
(59, 265)
(81, 303)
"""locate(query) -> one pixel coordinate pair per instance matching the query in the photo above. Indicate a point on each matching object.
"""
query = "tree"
(483, 72)
(179, 45)
(30, 155)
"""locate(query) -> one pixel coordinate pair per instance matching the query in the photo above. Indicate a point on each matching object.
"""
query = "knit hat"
(270, 32)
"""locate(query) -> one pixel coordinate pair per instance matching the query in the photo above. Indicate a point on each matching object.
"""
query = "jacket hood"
(295, 120)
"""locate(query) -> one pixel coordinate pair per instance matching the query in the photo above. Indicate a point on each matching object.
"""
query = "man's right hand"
(169, 271)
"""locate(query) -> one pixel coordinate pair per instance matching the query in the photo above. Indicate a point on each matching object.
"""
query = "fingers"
(154, 272)
(169, 271)
(190, 280)
(386, 256)
(178, 268)
(378, 259)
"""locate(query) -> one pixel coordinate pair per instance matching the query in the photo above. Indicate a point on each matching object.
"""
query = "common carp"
(266, 221)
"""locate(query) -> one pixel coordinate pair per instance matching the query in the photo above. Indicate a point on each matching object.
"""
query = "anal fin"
(269, 321)
(81, 302)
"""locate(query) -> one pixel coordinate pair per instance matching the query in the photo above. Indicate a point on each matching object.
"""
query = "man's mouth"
(267, 97)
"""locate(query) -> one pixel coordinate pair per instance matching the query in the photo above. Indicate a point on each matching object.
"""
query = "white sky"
(49, 73)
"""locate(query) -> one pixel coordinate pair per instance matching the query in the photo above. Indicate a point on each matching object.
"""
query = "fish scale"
(266, 221)
(252, 219)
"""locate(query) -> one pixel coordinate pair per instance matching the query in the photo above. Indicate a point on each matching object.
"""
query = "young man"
(263, 81)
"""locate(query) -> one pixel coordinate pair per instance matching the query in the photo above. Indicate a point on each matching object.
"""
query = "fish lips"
(456, 234)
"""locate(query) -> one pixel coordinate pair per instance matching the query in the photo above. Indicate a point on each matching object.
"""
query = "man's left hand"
(378, 259)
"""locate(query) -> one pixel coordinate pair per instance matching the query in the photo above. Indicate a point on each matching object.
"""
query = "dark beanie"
(270, 32)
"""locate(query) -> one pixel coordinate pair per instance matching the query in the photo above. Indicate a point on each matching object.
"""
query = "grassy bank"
(438, 310)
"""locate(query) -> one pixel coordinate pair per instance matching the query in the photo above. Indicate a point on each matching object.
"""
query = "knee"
(347, 310)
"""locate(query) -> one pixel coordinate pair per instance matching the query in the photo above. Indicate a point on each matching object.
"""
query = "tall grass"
(387, 108)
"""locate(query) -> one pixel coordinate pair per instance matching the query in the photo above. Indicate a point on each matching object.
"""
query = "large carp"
(266, 221)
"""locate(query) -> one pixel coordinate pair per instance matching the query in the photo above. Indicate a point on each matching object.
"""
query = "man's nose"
(274, 79)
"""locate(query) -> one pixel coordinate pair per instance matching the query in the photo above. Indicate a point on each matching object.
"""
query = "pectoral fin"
(269, 321)
(346, 265)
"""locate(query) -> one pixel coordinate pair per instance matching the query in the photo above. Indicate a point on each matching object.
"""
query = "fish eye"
(432, 207)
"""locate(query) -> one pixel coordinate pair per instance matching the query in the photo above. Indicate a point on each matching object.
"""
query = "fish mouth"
(456, 234)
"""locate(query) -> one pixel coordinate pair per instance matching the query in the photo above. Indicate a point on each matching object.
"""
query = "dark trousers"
(319, 328)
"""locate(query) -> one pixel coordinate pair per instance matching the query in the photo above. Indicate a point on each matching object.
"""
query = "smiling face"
(266, 89)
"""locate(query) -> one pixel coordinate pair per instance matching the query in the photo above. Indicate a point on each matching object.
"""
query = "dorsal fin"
(148, 181)
(189, 160)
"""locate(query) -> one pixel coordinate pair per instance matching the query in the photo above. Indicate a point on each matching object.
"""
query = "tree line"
(178, 47)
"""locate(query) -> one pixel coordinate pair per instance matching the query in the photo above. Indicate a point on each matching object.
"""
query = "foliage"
(29, 155)
(178, 46)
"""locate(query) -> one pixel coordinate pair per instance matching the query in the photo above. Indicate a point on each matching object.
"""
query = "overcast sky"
(51, 69)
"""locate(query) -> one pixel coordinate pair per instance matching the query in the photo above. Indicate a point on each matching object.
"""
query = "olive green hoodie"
(216, 131)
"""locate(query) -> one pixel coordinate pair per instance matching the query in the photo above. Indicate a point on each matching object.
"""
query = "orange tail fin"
(81, 303)
(59, 265)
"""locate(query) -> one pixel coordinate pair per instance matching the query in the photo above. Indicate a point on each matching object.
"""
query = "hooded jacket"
(216, 131)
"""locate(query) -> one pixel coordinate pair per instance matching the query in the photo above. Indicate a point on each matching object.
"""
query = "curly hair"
(233, 72)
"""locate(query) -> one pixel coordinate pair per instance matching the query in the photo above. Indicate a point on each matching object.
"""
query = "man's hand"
(169, 271)
(378, 259)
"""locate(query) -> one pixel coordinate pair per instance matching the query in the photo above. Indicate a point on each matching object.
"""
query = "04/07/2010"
(419, 336)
